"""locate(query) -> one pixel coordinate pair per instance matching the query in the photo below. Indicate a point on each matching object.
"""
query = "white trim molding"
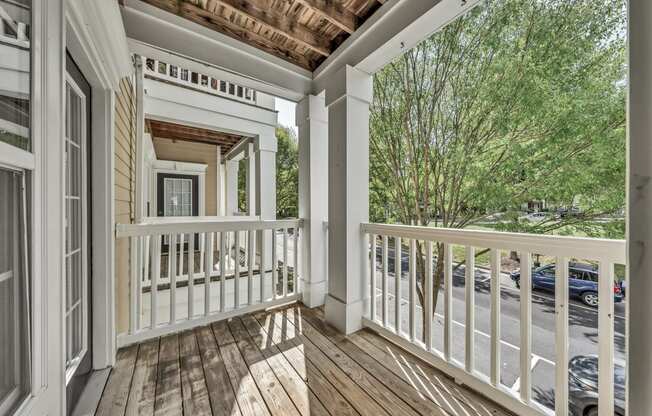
(100, 32)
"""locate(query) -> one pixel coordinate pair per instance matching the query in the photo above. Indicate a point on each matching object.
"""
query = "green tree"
(519, 100)
(287, 174)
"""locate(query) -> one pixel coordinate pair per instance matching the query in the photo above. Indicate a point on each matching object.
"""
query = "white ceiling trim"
(167, 32)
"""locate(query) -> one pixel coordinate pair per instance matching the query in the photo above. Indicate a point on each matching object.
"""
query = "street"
(583, 333)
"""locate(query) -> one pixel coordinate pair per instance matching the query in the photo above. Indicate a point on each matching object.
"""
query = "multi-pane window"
(74, 249)
(178, 197)
(15, 137)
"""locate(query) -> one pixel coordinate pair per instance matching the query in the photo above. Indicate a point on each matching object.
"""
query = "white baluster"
(208, 267)
(181, 244)
(297, 280)
(385, 311)
(250, 264)
(526, 326)
(469, 338)
(156, 276)
(173, 278)
(222, 254)
(274, 266)
(261, 266)
(561, 337)
(397, 284)
(285, 262)
(236, 273)
(413, 289)
(606, 339)
(427, 332)
(133, 302)
(495, 317)
(448, 300)
(372, 270)
(191, 275)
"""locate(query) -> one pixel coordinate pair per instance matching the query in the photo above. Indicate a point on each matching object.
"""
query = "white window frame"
(83, 194)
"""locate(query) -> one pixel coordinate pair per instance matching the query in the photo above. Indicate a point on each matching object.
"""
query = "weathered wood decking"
(281, 362)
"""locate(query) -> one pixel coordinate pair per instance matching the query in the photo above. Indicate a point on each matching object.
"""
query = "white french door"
(76, 239)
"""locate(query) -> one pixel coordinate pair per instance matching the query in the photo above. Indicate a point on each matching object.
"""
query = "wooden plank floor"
(281, 362)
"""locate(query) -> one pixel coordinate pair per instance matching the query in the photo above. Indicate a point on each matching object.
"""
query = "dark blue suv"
(582, 282)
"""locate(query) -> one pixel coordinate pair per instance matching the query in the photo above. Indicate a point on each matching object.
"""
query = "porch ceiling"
(173, 131)
(303, 32)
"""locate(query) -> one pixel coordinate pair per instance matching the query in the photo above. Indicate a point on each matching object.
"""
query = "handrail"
(550, 245)
(200, 226)
(189, 271)
(606, 253)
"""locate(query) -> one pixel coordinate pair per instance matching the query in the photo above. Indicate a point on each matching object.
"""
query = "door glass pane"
(14, 294)
(75, 252)
(178, 197)
(15, 33)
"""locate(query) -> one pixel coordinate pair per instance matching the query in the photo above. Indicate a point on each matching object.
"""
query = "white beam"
(639, 239)
(312, 121)
(348, 95)
(211, 51)
(394, 28)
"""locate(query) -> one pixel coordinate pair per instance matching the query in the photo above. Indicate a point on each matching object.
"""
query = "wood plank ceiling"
(165, 130)
(303, 32)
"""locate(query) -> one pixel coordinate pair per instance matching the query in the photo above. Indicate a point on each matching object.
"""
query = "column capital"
(349, 82)
(311, 108)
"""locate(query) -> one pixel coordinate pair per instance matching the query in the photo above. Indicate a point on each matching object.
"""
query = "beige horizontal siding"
(125, 187)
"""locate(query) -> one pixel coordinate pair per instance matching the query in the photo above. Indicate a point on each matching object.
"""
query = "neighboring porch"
(284, 361)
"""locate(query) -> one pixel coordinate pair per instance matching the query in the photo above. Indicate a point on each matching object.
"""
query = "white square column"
(231, 184)
(250, 157)
(348, 95)
(265, 151)
(312, 121)
(639, 209)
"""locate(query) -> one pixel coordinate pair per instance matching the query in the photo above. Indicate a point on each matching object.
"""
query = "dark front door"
(77, 195)
(177, 196)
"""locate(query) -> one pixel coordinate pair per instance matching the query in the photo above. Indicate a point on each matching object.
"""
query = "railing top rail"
(201, 226)
(550, 245)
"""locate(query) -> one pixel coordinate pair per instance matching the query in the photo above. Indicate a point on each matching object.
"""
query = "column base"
(314, 293)
(347, 318)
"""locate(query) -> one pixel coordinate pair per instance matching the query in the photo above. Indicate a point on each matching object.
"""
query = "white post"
(251, 180)
(312, 121)
(140, 130)
(639, 233)
(348, 95)
(231, 193)
(265, 151)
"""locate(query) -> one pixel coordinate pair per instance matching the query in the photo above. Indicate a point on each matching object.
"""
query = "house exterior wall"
(125, 186)
(207, 154)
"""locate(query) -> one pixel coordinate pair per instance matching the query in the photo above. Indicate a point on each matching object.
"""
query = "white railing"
(188, 273)
(195, 80)
(605, 253)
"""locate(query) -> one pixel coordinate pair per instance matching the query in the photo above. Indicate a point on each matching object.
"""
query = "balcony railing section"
(187, 273)
(195, 80)
(417, 337)
(12, 31)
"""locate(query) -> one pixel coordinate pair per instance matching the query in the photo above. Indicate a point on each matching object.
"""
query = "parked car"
(536, 216)
(582, 282)
(583, 386)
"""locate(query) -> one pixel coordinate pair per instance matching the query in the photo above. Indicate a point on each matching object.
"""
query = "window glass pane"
(14, 325)
(15, 83)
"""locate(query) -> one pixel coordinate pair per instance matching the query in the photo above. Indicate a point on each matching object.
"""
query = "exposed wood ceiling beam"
(225, 26)
(333, 12)
(173, 131)
(271, 19)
